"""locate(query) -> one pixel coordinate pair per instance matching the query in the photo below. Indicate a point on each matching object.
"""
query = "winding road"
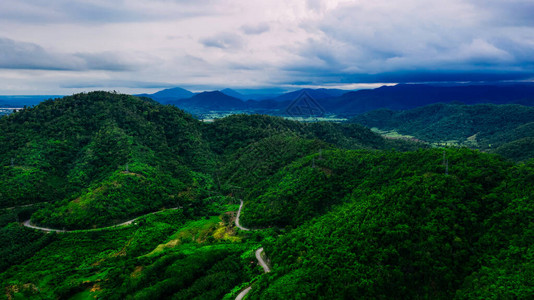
(263, 264)
(28, 224)
(26, 205)
(241, 295)
(260, 259)
(237, 218)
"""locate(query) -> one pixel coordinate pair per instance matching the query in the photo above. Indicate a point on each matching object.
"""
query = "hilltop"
(171, 94)
(86, 153)
(215, 100)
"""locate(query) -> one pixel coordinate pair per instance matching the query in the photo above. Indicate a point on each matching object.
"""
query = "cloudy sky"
(67, 46)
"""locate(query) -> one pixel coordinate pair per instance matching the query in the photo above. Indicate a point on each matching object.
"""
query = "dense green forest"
(341, 212)
(504, 129)
(99, 158)
(403, 227)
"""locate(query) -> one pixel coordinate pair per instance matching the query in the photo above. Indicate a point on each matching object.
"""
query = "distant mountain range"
(408, 96)
(350, 103)
(174, 94)
(329, 101)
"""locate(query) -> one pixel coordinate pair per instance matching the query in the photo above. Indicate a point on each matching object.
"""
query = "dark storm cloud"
(438, 76)
(22, 55)
(410, 42)
(410, 76)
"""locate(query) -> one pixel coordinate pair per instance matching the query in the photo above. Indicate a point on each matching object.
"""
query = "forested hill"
(251, 148)
(99, 157)
(505, 129)
(389, 225)
(335, 222)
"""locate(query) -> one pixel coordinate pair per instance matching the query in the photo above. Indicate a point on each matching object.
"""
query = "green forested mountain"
(402, 228)
(484, 126)
(99, 158)
(341, 212)
(251, 148)
(88, 155)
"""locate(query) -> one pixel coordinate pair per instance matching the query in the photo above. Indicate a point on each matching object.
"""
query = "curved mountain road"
(237, 218)
(262, 262)
(243, 293)
(28, 224)
(240, 296)
(260, 259)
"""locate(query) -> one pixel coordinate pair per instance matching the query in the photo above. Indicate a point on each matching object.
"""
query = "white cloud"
(257, 43)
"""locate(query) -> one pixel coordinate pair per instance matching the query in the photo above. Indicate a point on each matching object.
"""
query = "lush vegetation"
(403, 228)
(505, 129)
(100, 157)
(342, 212)
(161, 256)
(251, 148)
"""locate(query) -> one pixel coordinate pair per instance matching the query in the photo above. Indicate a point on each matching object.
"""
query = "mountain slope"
(400, 227)
(167, 95)
(210, 101)
(233, 93)
(252, 148)
(87, 153)
(350, 103)
(314, 93)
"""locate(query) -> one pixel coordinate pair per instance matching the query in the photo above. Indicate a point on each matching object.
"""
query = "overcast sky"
(67, 46)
